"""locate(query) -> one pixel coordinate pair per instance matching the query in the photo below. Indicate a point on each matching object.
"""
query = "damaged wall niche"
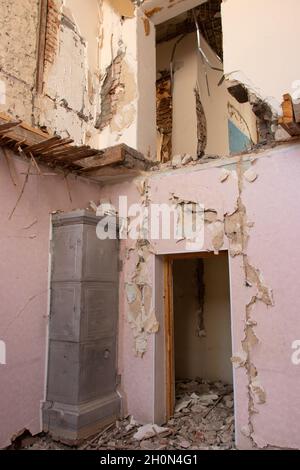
(196, 87)
(164, 118)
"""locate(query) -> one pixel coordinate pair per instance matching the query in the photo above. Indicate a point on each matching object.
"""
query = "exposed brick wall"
(52, 32)
(111, 91)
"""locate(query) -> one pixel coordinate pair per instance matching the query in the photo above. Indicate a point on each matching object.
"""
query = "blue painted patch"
(238, 141)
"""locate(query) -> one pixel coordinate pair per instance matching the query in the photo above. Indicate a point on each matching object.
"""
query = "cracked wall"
(24, 255)
(71, 92)
(239, 217)
(201, 107)
(18, 50)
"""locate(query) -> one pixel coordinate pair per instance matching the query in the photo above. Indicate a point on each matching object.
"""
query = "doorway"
(198, 332)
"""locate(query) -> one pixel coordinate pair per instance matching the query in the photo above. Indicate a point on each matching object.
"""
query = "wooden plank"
(291, 128)
(9, 125)
(44, 144)
(64, 152)
(84, 154)
(192, 255)
(287, 108)
(169, 337)
(24, 132)
(60, 144)
(41, 45)
(296, 107)
(110, 156)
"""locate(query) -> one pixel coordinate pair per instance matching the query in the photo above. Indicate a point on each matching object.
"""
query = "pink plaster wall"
(272, 207)
(24, 257)
(271, 203)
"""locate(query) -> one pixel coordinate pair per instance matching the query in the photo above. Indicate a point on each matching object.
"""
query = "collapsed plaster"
(141, 314)
(220, 227)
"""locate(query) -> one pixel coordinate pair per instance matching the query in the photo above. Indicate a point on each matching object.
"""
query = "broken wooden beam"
(288, 120)
(110, 156)
(56, 151)
(23, 132)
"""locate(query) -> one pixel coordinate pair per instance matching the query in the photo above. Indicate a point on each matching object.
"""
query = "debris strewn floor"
(203, 419)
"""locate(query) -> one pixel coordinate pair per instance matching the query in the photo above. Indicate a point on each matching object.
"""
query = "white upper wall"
(260, 45)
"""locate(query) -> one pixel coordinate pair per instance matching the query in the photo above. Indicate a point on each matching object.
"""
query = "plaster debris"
(250, 175)
(258, 392)
(186, 159)
(176, 161)
(239, 359)
(202, 425)
(147, 431)
(141, 315)
(181, 405)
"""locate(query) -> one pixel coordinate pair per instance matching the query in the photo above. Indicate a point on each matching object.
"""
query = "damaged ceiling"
(209, 19)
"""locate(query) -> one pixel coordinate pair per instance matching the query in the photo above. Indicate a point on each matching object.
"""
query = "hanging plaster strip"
(236, 230)
(141, 314)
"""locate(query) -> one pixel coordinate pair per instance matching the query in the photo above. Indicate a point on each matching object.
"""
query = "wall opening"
(198, 112)
(199, 347)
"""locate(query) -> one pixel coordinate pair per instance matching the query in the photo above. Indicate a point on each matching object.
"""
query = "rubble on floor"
(203, 419)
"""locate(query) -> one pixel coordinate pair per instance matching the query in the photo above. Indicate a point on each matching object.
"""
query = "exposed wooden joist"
(288, 120)
(56, 151)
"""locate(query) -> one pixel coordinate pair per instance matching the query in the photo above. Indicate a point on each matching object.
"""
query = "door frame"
(169, 321)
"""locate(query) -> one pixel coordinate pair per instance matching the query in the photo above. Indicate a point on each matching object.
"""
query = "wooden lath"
(61, 152)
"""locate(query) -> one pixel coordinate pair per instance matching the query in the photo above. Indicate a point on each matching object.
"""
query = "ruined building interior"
(149, 342)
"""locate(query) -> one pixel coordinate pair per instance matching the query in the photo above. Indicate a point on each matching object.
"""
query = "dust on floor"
(203, 419)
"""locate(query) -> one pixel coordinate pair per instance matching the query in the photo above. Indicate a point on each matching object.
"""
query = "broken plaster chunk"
(186, 159)
(131, 293)
(258, 392)
(176, 161)
(148, 430)
(224, 175)
(132, 424)
(182, 405)
(239, 359)
(151, 324)
(141, 186)
(245, 430)
(250, 175)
